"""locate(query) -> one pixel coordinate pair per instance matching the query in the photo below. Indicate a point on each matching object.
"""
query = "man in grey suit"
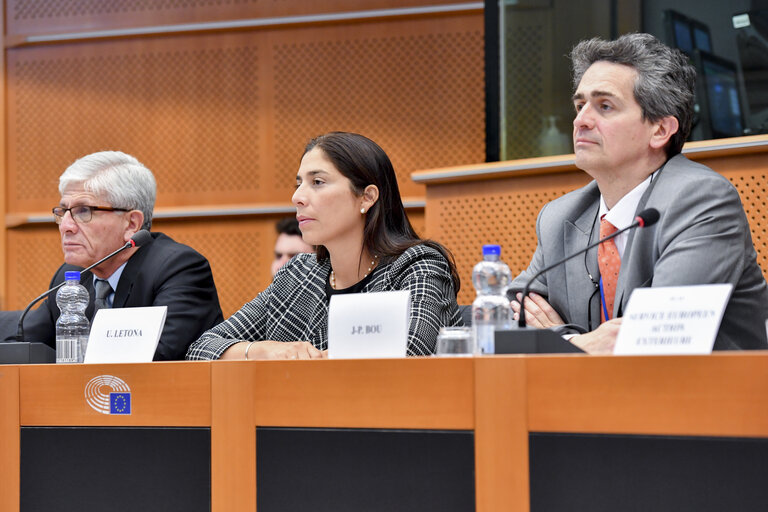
(634, 104)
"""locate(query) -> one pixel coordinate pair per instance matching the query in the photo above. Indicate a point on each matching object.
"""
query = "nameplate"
(369, 325)
(675, 320)
(125, 335)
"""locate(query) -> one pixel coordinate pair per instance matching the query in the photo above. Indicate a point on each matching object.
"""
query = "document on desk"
(369, 325)
(125, 335)
(674, 320)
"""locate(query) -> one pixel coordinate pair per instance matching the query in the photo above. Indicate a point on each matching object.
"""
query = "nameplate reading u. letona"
(369, 325)
(675, 320)
(125, 335)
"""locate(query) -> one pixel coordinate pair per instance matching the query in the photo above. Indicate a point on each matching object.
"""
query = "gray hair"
(665, 79)
(118, 178)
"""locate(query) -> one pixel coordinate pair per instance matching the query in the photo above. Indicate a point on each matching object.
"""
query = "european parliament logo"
(108, 394)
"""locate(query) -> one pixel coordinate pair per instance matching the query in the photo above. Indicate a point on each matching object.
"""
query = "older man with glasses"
(106, 198)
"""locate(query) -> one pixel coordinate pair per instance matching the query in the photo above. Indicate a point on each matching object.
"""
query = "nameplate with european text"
(674, 320)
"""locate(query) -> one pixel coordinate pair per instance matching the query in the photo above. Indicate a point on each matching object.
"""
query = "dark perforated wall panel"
(79, 469)
(642, 473)
(339, 470)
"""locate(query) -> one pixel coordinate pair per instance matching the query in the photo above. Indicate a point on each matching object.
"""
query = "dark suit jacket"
(702, 237)
(161, 273)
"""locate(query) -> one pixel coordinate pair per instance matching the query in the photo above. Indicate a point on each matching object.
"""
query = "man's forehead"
(77, 194)
(606, 79)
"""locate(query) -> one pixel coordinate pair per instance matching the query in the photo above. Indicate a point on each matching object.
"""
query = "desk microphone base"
(26, 353)
(532, 341)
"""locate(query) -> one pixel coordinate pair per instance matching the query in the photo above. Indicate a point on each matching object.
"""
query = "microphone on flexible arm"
(137, 240)
(646, 218)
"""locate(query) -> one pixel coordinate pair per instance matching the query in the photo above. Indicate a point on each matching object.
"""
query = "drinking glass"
(455, 341)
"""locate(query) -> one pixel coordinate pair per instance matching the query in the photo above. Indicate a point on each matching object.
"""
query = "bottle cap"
(71, 274)
(492, 249)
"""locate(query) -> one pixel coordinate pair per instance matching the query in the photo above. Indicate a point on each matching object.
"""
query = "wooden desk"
(43, 409)
(419, 393)
(503, 400)
(509, 404)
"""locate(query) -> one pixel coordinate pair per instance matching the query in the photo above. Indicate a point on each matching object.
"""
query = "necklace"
(373, 264)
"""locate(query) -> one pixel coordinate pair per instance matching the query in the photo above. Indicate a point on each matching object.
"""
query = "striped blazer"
(295, 306)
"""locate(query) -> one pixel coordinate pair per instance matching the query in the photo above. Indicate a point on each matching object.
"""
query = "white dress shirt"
(624, 212)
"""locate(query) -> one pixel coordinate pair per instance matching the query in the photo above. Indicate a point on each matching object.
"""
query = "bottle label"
(70, 349)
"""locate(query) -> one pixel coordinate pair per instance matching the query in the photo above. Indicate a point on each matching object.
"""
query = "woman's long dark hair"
(387, 232)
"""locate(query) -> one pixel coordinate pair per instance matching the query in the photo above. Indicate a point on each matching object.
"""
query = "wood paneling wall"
(221, 116)
(42, 17)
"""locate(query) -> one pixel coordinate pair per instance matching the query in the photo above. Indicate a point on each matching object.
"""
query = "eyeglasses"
(81, 213)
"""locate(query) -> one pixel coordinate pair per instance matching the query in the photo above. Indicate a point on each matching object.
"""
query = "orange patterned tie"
(609, 262)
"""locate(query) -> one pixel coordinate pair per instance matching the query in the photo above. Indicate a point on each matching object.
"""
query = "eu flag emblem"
(119, 403)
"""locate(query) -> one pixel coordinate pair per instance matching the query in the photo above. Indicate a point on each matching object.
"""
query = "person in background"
(106, 198)
(348, 206)
(634, 103)
(289, 242)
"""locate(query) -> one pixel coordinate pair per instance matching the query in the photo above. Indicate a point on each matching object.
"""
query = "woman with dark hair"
(348, 205)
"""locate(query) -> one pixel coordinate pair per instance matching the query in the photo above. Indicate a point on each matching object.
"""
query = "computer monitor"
(718, 96)
(686, 34)
(701, 37)
(752, 43)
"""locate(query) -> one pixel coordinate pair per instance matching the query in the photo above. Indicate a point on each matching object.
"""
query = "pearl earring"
(362, 210)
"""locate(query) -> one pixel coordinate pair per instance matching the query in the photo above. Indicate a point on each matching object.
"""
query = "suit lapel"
(577, 234)
(129, 277)
(125, 284)
(628, 273)
(123, 292)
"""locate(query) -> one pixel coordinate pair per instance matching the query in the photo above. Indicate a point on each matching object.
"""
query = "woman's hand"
(284, 350)
(274, 350)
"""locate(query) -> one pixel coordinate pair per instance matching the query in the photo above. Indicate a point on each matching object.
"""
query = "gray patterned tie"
(102, 292)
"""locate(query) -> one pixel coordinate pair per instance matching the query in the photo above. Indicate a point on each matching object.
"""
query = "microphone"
(139, 238)
(644, 219)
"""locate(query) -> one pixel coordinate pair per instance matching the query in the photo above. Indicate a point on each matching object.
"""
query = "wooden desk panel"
(415, 393)
(9, 438)
(502, 399)
(501, 434)
(233, 437)
(162, 394)
(394, 393)
(724, 394)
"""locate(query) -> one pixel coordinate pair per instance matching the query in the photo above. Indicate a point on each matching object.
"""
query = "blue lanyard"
(602, 300)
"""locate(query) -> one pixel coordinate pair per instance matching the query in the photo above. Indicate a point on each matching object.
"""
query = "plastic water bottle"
(72, 327)
(490, 310)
